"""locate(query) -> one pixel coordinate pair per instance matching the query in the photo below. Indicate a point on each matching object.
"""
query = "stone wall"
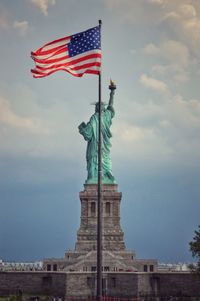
(78, 285)
(128, 285)
(32, 283)
(176, 283)
(122, 284)
(153, 284)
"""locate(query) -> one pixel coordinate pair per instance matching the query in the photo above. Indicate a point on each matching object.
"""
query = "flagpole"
(99, 206)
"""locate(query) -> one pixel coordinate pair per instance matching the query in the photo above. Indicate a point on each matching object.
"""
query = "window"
(93, 269)
(113, 282)
(106, 269)
(145, 268)
(48, 267)
(103, 284)
(93, 208)
(107, 208)
(151, 268)
(47, 281)
(91, 282)
(55, 267)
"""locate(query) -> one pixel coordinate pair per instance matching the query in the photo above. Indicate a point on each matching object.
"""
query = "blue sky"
(151, 49)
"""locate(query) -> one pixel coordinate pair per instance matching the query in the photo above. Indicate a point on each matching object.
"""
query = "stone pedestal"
(112, 234)
(115, 257)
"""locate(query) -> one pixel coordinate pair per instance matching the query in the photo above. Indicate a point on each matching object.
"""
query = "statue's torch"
(112, 85)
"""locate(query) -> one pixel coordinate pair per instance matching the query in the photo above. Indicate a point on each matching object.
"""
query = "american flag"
(77, 54)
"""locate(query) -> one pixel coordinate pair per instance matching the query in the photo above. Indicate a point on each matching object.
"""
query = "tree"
(195, 248)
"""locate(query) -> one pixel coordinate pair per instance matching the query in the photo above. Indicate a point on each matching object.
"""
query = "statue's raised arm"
(110, 107)
(90, 134)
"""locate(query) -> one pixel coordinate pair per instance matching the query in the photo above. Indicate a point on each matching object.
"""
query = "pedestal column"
(112, 234)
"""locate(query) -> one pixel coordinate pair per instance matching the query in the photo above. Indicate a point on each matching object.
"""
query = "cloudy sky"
(151, 48)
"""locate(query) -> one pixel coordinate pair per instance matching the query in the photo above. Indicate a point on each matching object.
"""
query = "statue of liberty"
(90, 134)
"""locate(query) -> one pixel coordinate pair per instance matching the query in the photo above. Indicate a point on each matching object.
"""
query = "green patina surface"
(90, 134)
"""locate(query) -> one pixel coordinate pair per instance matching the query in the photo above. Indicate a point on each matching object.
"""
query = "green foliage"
(9, 298)
(13, 298)
(195, 248)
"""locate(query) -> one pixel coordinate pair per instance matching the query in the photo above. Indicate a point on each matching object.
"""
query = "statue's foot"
(110, 180)
(91, 181)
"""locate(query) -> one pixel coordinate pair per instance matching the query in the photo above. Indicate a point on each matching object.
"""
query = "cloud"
(171, 15)
(186, 113)
(156, 2)
(22, 27)
(4, 23)
(172, 71)
(130, 11)
(192, 29)
(184, 21)
(179, 11)
(187, 11)
(175, 57)
(135, 133)
(9, 118)
(153, 83)
(159, 132)
(175, 51)
(179, 17)
(139, 143)
(43, 5)
(151, 49)
(141, 12)
(172, 51)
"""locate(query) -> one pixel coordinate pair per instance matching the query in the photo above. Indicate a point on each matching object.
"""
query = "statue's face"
(97, 107)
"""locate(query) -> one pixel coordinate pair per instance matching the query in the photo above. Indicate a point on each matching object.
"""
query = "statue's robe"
(90, 134)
